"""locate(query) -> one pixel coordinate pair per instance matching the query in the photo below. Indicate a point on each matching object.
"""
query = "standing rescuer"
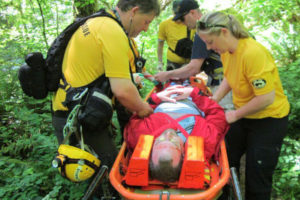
(259, 121)
(202, 59)
(179, 39)
(98, 62)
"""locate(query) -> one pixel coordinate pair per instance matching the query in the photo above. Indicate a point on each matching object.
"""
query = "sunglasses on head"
(203, 25)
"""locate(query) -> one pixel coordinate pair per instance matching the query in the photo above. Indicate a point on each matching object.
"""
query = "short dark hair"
(175, 5)
(184, 8)
(146, 6)
(164, 171)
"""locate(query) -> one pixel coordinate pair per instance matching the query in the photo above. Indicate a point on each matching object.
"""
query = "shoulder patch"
(259, 83)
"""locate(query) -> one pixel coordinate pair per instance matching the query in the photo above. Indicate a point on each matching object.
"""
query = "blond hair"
(216, 20)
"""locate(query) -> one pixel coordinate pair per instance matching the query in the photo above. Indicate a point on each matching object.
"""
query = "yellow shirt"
(251, 71)
(99, 46)
(171, 31)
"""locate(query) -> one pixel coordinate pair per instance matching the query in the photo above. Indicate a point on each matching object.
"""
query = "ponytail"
(216, 20)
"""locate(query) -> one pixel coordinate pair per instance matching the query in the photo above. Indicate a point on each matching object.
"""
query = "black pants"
(101, 141)
(261, 140)
(123, 116)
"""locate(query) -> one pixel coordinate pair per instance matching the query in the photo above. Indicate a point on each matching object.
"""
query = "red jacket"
(212, 127)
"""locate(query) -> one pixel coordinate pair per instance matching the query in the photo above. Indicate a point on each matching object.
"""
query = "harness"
(216, 73)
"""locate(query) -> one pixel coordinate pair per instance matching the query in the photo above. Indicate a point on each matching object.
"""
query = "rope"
(72, 127)
(71, 124)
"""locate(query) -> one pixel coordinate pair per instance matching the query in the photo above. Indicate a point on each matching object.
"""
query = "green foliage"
(290, 79)
(284, 47)
(277, 22)
(287, 174)
(27, 142)
(27, 149)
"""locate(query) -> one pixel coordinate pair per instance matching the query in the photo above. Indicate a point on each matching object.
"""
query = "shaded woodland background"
(27, 142)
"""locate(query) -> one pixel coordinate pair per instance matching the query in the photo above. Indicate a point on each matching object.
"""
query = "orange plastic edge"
(192, 172)
(138, 172)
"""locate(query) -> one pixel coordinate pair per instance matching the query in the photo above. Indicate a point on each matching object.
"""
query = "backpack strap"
(188, 32)
(56, 51)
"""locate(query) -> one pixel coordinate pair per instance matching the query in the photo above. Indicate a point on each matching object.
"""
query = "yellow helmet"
(74, 163)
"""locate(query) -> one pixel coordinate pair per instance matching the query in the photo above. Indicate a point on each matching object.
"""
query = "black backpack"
(184, 46)
(40, 76)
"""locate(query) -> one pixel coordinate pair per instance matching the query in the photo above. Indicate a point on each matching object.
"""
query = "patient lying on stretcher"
(179, 112)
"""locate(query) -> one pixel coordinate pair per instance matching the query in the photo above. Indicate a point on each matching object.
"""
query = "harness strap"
(86, 162)
(185, 133)
(174, 124)
(75, 161)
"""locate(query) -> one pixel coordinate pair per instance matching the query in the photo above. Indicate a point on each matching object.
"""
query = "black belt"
(60, 113)
(215, 82)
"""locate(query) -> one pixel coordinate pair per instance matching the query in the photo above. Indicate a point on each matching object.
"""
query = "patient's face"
(167, 145)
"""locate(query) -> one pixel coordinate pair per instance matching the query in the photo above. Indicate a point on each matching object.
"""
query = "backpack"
(184, 46)
(40, 76)
(211, 65)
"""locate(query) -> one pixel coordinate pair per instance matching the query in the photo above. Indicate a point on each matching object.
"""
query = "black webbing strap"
(74, 161)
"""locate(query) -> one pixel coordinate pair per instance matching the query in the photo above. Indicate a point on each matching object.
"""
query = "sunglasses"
(203, 25)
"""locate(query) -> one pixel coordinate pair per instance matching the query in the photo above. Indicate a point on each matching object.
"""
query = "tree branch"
(43, 25)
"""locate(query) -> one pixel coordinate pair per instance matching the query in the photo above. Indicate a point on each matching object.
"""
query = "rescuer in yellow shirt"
(97, 70)
(259, 122)
(172, 31)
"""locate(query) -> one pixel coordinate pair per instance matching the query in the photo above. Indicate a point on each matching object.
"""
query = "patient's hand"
(174, 93)
(184, 93)
(169, 94)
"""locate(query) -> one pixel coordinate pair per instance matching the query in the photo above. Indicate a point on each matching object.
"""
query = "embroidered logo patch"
(259, 83)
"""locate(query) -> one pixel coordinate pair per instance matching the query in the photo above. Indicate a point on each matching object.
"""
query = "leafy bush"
(291, 82)
(28, 146)
(287, 174)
